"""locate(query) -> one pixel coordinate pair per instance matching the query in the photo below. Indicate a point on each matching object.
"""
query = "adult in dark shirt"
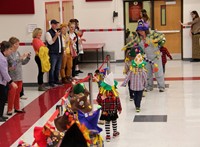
(54, 43)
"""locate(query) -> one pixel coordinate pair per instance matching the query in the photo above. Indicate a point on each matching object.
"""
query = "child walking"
(164, 53)
(126, 70)
(138, 79)
(109, 101)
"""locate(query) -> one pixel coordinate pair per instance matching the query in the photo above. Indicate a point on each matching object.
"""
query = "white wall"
(189, 5)
(92, 15)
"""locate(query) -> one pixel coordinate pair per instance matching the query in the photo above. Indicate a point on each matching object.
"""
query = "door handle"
(169, 31)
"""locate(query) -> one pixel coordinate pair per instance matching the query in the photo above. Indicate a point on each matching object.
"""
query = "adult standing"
(152, 52)
(54, 43)
(6, 50)
(37, 45)
(15, 62)
(195, 30)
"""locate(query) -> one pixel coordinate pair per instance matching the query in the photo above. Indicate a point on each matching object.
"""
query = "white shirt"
(50, 41)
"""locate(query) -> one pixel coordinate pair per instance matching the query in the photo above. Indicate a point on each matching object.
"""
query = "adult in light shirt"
(54, 44)
(5, 51)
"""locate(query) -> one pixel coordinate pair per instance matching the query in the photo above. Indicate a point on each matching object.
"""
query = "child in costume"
(127, 62)
(151, 44)
(109, 101)
(164, 53)
(137, 77)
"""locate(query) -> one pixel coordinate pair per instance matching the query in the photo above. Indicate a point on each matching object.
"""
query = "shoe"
(101, 122)
(64, 80)
(5, 117)
(79, 71)
(115, 134)
(42, 88)
(2, 119)
(161, 90)
(23, 97)
(19, 111)
(107, 138)
(58, 83)
(144, 94)
(9, 113)
(148, 90)
(130, 99)
(137, 109)
(52, 85)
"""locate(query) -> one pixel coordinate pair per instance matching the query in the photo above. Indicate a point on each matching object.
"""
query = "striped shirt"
(138, 80)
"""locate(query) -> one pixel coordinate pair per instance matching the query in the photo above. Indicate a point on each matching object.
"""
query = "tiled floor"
(168, 119)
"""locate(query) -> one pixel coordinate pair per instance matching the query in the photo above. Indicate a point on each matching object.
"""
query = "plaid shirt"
(110, 103)
(165, 53)
(138, 80)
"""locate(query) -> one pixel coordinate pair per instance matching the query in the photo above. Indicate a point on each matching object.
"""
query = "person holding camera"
(54, 44)
(5, 51)
(15, 62)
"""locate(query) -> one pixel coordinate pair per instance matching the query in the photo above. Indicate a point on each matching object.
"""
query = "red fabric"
(165, 53)
(110, 103)
(13, 96)
(17, 7)
(40, 138)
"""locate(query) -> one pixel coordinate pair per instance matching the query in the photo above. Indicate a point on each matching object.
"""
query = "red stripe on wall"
(83, 30)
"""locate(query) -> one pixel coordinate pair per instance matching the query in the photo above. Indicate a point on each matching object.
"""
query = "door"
(52, 12)
(68, 11)
(166, 20)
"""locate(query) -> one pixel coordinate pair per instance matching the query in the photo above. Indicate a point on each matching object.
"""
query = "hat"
(64, 121)
(138, 61)
(53, 21)
(74, 137)
(80, 102)
(109, 85)
(90, 120)
(63, 25)
(79, 88)
(142, 26)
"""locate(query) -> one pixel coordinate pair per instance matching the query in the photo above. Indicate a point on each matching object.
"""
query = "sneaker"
(42, 88)
(137, 109)
(107, 138)
(161, 90)
(131, 99)
(101, 122)
(115, 134)
(23, 97)
(52, 85)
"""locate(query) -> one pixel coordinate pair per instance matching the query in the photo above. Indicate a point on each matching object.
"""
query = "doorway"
(52, 11)
(164, 17)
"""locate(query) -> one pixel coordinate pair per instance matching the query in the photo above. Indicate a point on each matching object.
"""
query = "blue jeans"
(56, 61)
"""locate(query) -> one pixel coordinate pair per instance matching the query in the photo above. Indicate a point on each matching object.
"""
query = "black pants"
(2, 99)
(75, 62)
(163, 68)
(40, 73)
(131, 94)
(137, 98)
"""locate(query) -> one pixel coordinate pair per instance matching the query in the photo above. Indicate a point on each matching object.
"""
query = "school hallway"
(166, 119)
